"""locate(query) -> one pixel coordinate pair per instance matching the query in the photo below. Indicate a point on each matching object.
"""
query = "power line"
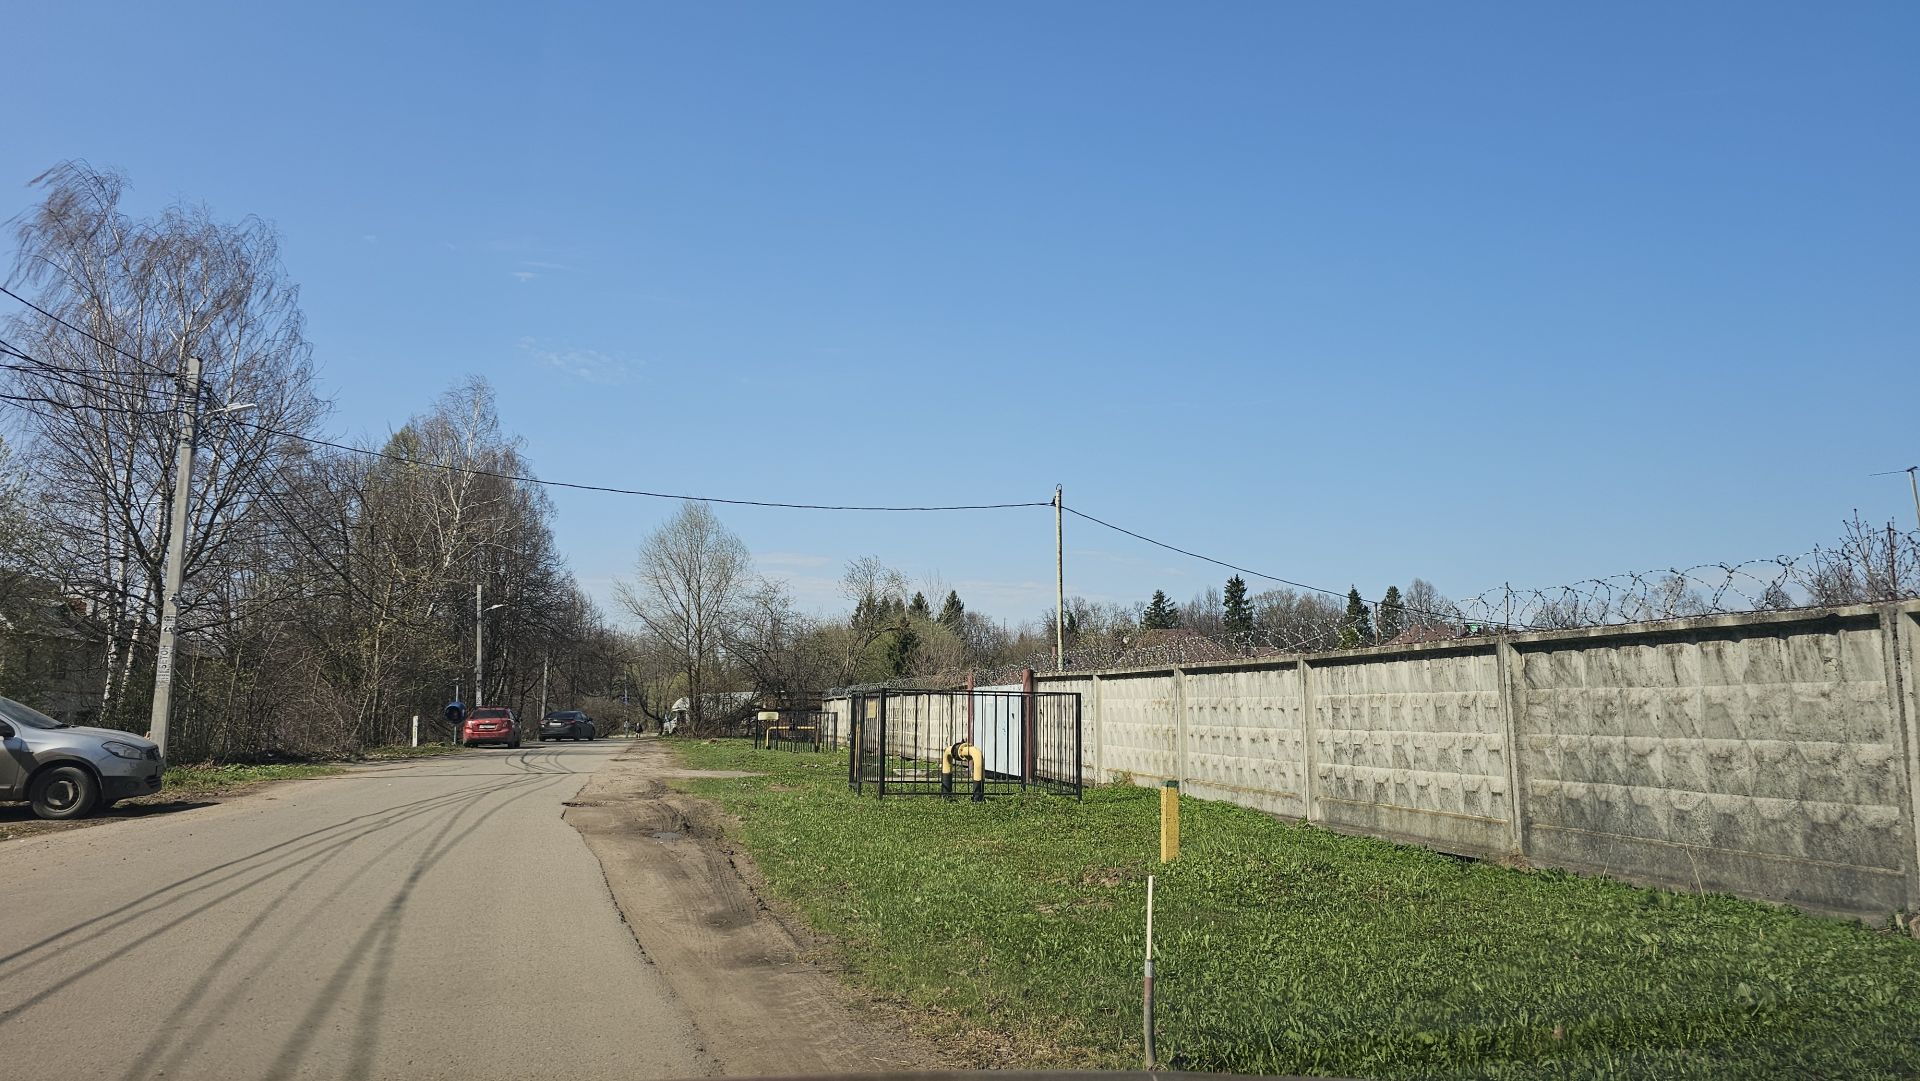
(481, 472)
(103, 376)
(1232, 567)
(1203, 558)
(25, 401)
(62, 378)
(510, 477)
(523, 479)
(135, 357)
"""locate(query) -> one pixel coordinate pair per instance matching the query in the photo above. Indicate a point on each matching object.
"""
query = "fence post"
(1507, 665)
(1309, 742)
(1027, 727)
(1099, 739)
(1180, 723)
(1900, 638)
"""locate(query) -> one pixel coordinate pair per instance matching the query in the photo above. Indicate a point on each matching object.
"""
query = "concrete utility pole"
(1913, 481)
(176, 560)
(545, 658)
(479, 626)
(479, 617)
(1059, 589)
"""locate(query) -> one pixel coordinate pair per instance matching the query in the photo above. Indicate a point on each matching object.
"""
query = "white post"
(416, 730)
(176, 561)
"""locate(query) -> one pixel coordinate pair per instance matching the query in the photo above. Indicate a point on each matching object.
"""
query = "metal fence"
(797, 730)
(905, 742)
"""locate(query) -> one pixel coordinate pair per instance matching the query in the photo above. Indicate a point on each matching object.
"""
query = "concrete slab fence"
(1772, 755)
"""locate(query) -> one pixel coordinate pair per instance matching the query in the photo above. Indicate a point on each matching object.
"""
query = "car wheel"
(63, 792)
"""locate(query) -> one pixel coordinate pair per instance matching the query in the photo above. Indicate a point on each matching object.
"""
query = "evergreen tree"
(1161, 614)
(1356, 629)
(1238, 613)
(1392, 615)
(953, 613)
(902, 650)
(919, 606)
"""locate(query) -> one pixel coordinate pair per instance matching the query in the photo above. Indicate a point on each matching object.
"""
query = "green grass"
(211, 779)
(402, 750)
(207, 778)
(1283, 948)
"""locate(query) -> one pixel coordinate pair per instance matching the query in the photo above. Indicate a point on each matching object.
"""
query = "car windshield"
(27, 715)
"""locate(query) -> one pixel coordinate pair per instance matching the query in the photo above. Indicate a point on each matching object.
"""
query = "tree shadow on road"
(18, 820)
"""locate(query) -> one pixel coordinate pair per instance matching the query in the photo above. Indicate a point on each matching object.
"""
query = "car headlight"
(123, 750)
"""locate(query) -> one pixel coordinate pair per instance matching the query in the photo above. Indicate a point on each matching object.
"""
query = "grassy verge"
(212, 780)
(402, 750)
(1287, 949)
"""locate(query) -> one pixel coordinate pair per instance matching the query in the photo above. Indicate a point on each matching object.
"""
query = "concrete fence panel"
(1414, 748)
(1140, 728)
(1765, 760)
(1245, 738)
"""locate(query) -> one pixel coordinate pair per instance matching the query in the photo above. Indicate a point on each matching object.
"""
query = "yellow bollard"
(1169, 821)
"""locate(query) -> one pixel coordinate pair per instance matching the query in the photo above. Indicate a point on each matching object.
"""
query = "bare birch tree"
(130, 300)
(686, 590)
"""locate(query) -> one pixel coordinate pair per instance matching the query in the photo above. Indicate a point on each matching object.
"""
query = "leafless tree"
(1292, 620)
(780, 648)
(687, 587)
(1203, 614)
(1425, 606)
(145, 295)
(1871, 563)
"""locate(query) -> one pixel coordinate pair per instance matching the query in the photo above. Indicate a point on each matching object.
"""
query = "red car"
(490, 724)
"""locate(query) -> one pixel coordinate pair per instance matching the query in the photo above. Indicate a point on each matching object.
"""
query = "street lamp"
(177, 556)
(479, 625)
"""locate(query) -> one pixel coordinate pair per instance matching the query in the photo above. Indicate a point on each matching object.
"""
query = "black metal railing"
(797, 730)
(929, 742)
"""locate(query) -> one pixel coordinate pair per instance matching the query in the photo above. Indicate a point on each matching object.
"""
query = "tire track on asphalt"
(170, 1046)
(308, 1028)
(236, 862)
(333, 846)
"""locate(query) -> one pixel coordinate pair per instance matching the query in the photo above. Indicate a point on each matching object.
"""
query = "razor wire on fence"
(1870, 565)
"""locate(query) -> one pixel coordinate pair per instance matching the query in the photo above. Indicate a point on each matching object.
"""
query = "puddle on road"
(668, 835)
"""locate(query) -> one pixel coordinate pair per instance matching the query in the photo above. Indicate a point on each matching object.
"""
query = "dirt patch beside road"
(757, 985)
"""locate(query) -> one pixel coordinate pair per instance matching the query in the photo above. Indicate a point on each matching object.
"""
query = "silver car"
(68, 772)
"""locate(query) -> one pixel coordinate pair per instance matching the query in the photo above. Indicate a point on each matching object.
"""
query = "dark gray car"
(567, 724)
(69, 772)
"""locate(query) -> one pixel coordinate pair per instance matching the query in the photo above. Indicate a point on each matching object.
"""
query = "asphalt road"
(435, 919)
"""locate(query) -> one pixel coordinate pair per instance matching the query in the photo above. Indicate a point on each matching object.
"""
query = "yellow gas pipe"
(964, 750)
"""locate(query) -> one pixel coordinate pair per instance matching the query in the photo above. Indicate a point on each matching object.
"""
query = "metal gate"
(1024, 740)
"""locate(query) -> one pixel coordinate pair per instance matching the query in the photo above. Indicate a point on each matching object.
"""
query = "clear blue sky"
(1344, 292)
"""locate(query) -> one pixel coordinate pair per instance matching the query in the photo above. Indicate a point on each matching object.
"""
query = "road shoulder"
(757, 983)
